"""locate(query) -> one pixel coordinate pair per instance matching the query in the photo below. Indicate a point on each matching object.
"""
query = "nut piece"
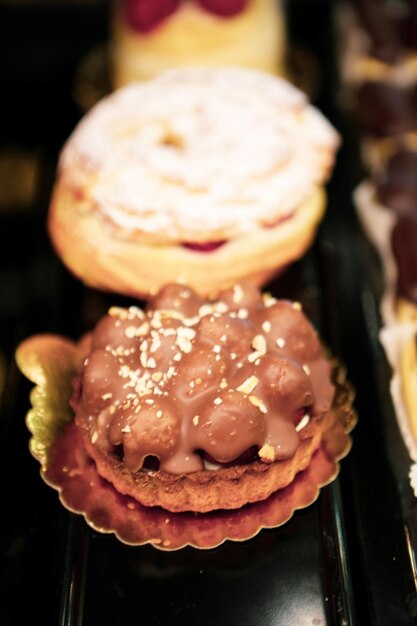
(267, 453)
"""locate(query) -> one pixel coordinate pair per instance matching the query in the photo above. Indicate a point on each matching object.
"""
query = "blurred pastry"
(150, 37)
(379, 78)
(378, 62)
(200, 176)
(387, 207)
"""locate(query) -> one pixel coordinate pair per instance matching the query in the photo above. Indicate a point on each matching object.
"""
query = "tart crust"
(208, 490)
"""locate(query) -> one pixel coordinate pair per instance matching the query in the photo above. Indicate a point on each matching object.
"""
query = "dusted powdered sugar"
(200, 151)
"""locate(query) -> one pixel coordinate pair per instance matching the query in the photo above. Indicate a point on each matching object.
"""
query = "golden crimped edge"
(51, 362)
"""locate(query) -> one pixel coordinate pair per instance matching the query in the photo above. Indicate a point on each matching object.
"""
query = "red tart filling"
(207, 246)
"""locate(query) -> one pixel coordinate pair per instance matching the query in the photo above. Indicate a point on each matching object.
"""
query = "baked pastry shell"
(50, 362)
(96, 253)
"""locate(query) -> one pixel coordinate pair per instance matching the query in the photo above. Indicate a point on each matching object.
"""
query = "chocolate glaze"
(404, 245)
(396, 186)
(192, 377)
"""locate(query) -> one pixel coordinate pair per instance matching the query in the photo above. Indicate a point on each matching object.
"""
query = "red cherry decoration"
(224, 8)
(145, 15)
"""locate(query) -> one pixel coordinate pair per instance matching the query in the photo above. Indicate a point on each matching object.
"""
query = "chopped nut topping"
(137, 331)
(135, 311)
(124, 371)
(248, 385)
(156, 343)
(259, 343)
(220, 307)
(306, 369)
(268, 299)
(217, 401)
(243, 314)
(267, 453)
(258, 403)
(266, 326)
(297, 306)
(195, 420)
(205, 309)
(126, 429)
(170, 372)
(184, 338)
(168, 332)
(302, 423)
(280, 342)
(117, 311)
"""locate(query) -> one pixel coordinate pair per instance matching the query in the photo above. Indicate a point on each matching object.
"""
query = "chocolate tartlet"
(202, 405)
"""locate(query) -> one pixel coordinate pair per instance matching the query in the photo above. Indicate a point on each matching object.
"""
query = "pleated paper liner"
(51, 362)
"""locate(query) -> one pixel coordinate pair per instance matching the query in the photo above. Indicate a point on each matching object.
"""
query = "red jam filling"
(207, 246)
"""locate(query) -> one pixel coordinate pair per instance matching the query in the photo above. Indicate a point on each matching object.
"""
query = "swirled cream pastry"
(200, 176)
(199, 404)
(150, 37)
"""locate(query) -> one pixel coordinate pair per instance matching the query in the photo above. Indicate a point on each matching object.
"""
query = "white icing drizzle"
(201, 150)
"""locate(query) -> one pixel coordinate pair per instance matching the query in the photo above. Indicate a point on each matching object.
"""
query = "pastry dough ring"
(86, 245)
(197, 155)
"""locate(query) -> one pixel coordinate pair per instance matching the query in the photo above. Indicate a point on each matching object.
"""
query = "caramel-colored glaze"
(193, 379)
